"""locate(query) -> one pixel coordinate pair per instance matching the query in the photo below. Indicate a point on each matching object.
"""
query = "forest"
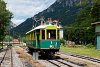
(81, 31)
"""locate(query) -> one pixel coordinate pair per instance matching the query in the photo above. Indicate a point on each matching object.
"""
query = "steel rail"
(60, 62)
(82, 57)
(64, 63)
(3, 56)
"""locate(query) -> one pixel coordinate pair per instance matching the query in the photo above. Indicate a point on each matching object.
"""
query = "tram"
(44, 38)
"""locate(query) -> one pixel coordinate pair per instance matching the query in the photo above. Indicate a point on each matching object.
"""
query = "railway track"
(61, 62)
(82, 57)
(64, 62)
(2, 58)
(76, 63)
(6, 58)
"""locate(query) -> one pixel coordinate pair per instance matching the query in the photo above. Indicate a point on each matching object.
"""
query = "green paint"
(37, 40)
(47, 43)
(98, 43)
(31, 43)
(44, 44)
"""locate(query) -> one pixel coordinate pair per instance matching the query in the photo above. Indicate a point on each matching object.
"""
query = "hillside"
(22, 28)
(63, 10)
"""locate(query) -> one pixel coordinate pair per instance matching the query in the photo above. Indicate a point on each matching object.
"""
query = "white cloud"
(27, 8)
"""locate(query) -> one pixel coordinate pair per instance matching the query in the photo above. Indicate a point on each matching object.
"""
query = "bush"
(90, 46)
(62, 41)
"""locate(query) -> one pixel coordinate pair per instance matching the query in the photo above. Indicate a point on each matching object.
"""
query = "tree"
(5, 17)
(95, 12)
(81, 31)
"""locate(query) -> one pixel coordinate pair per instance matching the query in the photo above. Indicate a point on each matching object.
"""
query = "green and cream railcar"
(44, 39)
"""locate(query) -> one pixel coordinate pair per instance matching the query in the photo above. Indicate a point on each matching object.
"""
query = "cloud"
(27, 8)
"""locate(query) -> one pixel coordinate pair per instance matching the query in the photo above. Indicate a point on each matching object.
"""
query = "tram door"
(37, 40)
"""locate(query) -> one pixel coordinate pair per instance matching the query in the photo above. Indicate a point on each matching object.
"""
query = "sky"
(23, 9)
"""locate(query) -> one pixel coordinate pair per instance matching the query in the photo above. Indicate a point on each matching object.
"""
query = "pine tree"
(95, 12)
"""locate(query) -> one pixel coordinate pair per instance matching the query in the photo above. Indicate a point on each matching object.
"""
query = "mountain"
(10, 26)
(21, 29)
(63, 10)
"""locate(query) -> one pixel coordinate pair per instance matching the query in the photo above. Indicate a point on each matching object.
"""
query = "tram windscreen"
(51, 34)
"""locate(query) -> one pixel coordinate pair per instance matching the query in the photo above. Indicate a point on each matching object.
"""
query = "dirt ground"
(24, 55)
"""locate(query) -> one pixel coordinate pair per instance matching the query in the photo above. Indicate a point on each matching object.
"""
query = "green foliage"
(80, 35)
(8, 38)
(96, 1)
(83, 2)
(62, 41)
(81, 31)
(23, 39)
(90, 45)
(95, 12)
(5, 16)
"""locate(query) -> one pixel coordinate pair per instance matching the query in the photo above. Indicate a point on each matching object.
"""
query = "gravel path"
(16, 61)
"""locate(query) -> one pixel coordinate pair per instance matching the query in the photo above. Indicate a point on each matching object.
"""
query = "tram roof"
(42, 27)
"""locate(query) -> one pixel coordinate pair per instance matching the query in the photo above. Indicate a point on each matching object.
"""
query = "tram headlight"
(51, 46)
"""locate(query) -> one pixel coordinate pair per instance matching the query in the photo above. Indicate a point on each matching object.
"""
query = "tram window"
(58, 34)
(51, 34)
(43, 34)
(37, 31)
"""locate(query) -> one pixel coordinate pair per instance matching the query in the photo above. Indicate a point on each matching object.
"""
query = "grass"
(28, 58)
(3, 46)
(82, 50)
